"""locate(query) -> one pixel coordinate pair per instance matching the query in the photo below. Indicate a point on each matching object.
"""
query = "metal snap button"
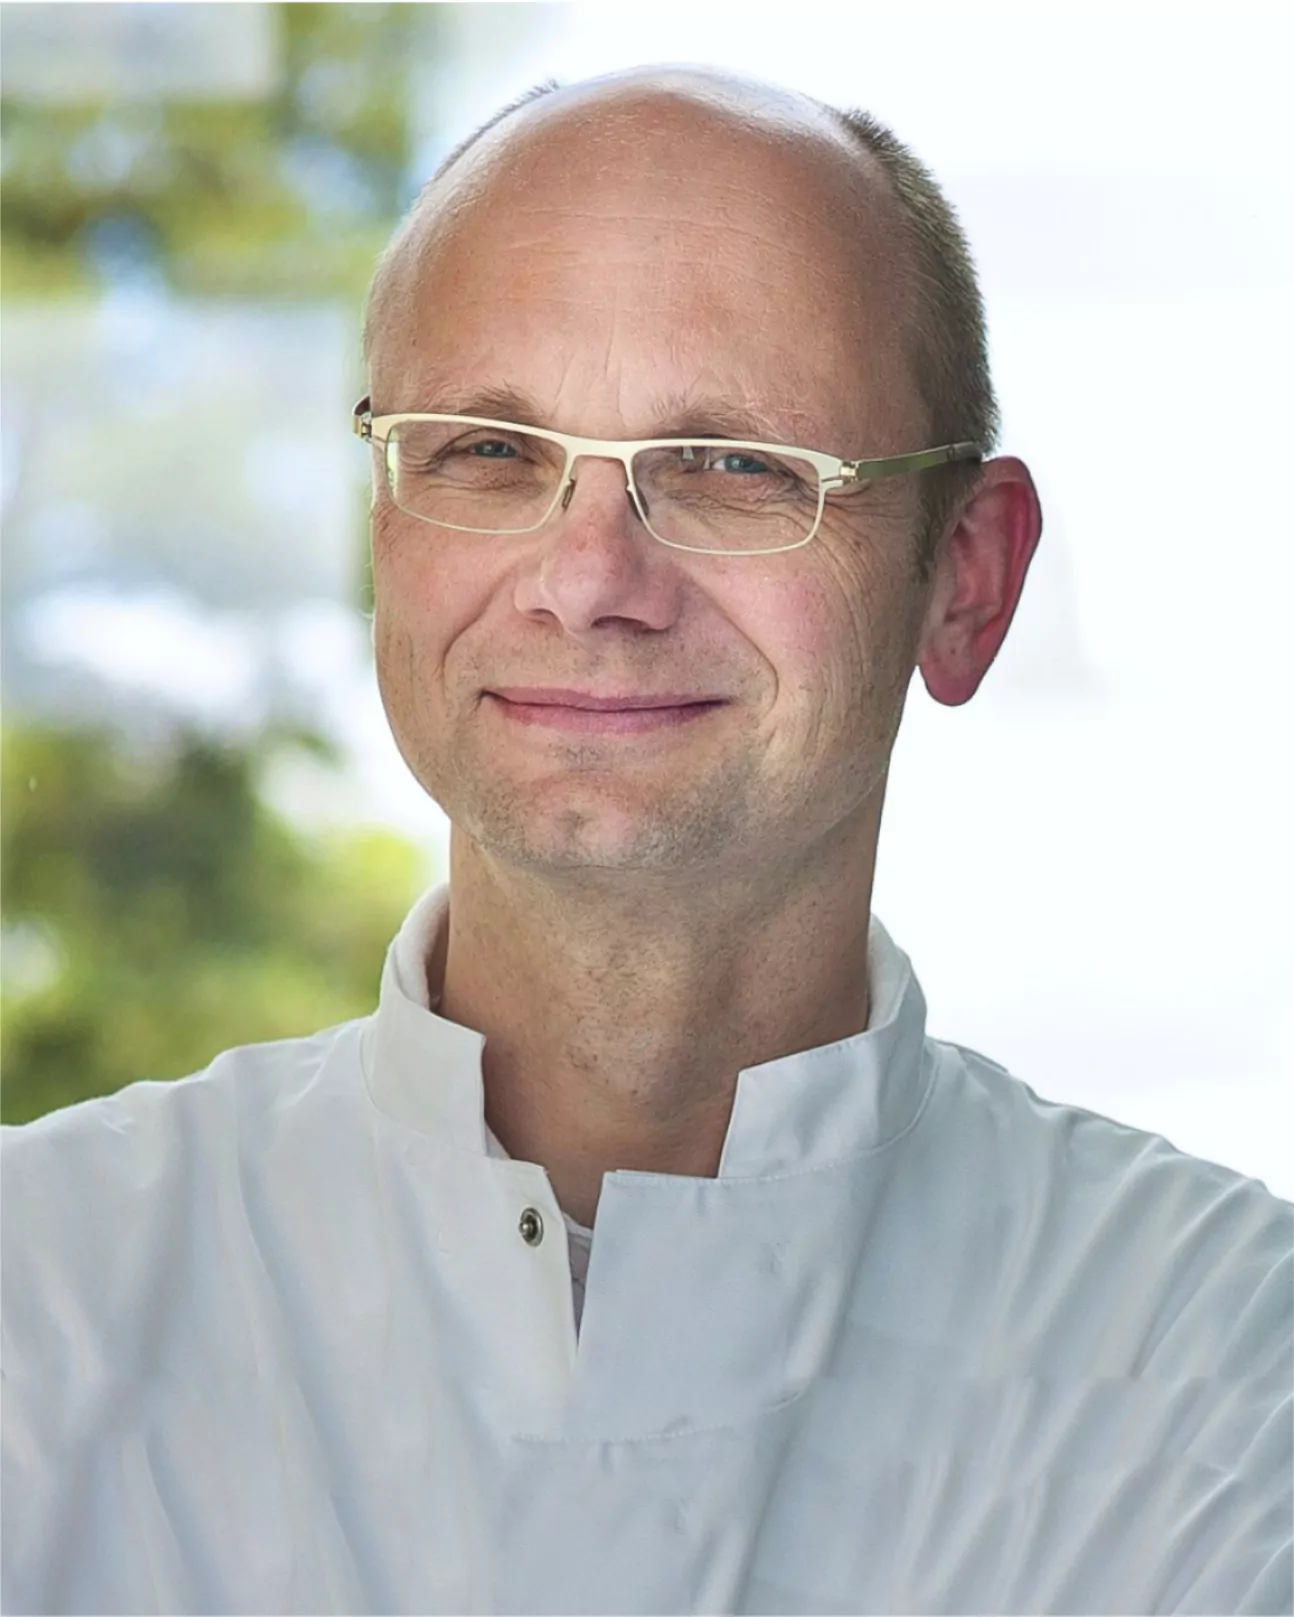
(531, 1227)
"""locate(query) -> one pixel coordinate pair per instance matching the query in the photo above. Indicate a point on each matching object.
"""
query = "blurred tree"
(291, 194)
(157, 912)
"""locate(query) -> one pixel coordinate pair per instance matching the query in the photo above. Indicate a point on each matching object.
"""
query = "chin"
(582, 834)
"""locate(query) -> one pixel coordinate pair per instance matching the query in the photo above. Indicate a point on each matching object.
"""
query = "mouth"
(630, 701)
(583, 713)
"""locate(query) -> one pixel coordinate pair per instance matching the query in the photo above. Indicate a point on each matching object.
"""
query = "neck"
(618, 1016)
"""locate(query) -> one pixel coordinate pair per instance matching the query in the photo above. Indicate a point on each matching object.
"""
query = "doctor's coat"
(294, 1335)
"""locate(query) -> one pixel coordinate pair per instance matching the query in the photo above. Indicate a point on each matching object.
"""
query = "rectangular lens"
(727, 496)
(484, 479)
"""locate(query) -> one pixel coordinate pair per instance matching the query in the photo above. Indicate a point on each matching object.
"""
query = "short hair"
(947, 341)
(948, 338)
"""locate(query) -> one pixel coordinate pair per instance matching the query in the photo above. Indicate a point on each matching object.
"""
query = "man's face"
(669, 279)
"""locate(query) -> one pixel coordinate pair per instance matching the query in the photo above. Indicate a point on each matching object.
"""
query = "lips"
(630, 702)
(579, 713)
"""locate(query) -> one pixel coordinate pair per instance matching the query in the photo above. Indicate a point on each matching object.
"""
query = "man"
(641, 1253)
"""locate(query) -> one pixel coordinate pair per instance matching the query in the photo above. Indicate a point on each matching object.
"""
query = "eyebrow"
(676, 417)
(499, 403)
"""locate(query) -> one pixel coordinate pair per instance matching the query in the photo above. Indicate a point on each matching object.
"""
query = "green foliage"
(292, 195)
(157, 912)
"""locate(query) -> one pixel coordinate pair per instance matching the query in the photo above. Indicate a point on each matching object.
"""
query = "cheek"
(869, 593)
(429, 600)
(412, 573)
(840, 644)
(813, 632)
(406, 613)
(388, 557)
(397, 552)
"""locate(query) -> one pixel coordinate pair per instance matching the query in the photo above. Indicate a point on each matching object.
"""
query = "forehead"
(660, 249)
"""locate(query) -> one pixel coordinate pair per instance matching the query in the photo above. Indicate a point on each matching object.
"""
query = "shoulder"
(75, 1181)
(1159, 1260)
(1143, 1299)
(1086, 1152)
(148, 1117)
(138, 1239)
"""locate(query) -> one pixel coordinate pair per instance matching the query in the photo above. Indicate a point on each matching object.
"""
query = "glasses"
(720, 496)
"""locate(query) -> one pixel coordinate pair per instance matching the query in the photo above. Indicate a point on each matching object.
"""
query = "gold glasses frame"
(834, 474)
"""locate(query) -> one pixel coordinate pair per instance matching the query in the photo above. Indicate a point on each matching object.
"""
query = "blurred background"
(208, 836)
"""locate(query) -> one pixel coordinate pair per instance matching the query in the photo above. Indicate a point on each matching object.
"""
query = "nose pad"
(568, 494)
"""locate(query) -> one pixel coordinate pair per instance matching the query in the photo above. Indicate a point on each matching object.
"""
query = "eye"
(488, 449)
(737, 461)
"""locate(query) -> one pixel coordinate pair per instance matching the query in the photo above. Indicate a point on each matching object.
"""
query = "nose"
(568, 493)
(597, 564)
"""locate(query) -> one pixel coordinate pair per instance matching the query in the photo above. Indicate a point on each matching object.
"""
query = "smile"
(600, 721)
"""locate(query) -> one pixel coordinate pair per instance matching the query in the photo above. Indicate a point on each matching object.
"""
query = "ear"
(978, 575)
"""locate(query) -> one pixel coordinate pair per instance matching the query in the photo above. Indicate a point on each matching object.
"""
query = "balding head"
(566, 139)
(863, 207)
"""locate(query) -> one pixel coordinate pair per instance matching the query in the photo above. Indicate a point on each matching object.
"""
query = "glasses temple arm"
(857, 471)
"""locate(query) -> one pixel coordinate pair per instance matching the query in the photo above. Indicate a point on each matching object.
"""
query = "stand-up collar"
(797, 1112)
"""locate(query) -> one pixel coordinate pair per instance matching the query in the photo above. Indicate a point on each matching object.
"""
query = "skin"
(635, 919)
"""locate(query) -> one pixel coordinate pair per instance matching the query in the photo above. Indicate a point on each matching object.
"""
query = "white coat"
(275, 1341)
